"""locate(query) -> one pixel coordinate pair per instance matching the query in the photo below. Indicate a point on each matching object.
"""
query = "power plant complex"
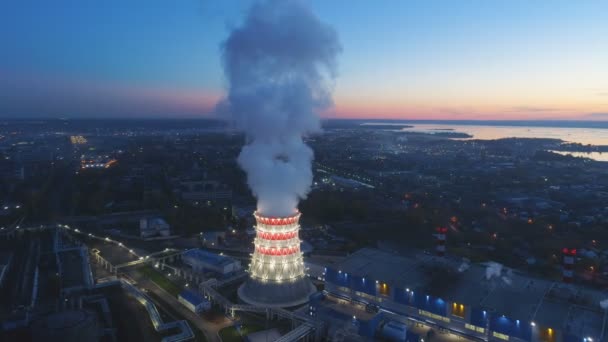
(276, 272)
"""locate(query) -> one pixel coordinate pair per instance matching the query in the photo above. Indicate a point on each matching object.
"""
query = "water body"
(582, 135)
(599, 156)
(586, 133)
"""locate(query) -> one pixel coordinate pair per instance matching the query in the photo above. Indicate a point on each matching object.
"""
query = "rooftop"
(208, 257)
(192, 297)
(514, 294)
(375, 264)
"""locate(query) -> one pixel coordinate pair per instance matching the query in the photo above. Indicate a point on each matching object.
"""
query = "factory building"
(276, 275)
(194, 301)
(202, 262)
(153, 226)
(509, 307)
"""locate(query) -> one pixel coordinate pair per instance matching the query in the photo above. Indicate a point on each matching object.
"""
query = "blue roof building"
(194, 301)
(204, 261)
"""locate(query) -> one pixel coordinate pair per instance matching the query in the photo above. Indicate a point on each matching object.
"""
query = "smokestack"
(440, 238)
(279, 64)
(568, 267)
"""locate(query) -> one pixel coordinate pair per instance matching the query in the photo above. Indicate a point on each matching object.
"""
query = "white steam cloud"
(496, 270)
(279, 64)
(493, 269)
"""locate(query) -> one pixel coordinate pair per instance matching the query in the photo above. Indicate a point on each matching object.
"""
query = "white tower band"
(276, 271)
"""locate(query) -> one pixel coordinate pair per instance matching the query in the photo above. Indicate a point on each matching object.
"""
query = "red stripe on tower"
(440, 238)
(568, 266)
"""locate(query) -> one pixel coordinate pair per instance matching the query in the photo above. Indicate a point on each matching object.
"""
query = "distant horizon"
(498, 122)
(205, 117)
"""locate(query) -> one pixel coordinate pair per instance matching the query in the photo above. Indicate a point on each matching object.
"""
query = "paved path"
(209, 328)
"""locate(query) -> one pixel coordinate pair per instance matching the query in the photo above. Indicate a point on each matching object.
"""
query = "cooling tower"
(276, 272)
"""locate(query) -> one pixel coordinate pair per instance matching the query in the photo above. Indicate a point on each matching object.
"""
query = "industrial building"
(194, 301)
(153, 226)
(276, 273)
(203, 191)
(508, 307)
(202, 262)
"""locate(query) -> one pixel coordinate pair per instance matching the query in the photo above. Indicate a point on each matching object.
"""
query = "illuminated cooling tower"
(276, 273)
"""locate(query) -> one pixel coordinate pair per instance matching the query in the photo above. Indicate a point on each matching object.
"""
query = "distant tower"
(568, 273)
(276, 273)
(440, 238)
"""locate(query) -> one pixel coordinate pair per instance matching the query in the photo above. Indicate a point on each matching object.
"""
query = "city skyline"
(412, 60)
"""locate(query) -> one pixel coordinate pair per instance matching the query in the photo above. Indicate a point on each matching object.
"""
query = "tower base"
(277, 295)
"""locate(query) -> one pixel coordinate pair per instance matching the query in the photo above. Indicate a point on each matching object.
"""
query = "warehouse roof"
(192, 297)
(208, 257)
(375, 264)
(517, 295)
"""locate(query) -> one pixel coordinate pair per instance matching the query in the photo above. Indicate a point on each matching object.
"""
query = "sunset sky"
(401, 59)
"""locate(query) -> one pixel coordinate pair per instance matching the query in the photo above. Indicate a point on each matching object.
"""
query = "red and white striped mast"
(440, 239)
(568, 267)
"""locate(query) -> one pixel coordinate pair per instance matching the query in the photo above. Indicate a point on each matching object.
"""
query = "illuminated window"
(384, 289)
(547, 335)
(474, 328)
(500, 336)
(433, 316)
(458, 310)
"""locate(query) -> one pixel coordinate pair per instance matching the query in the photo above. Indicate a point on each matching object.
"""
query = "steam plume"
(493, 269)
(279, 65)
